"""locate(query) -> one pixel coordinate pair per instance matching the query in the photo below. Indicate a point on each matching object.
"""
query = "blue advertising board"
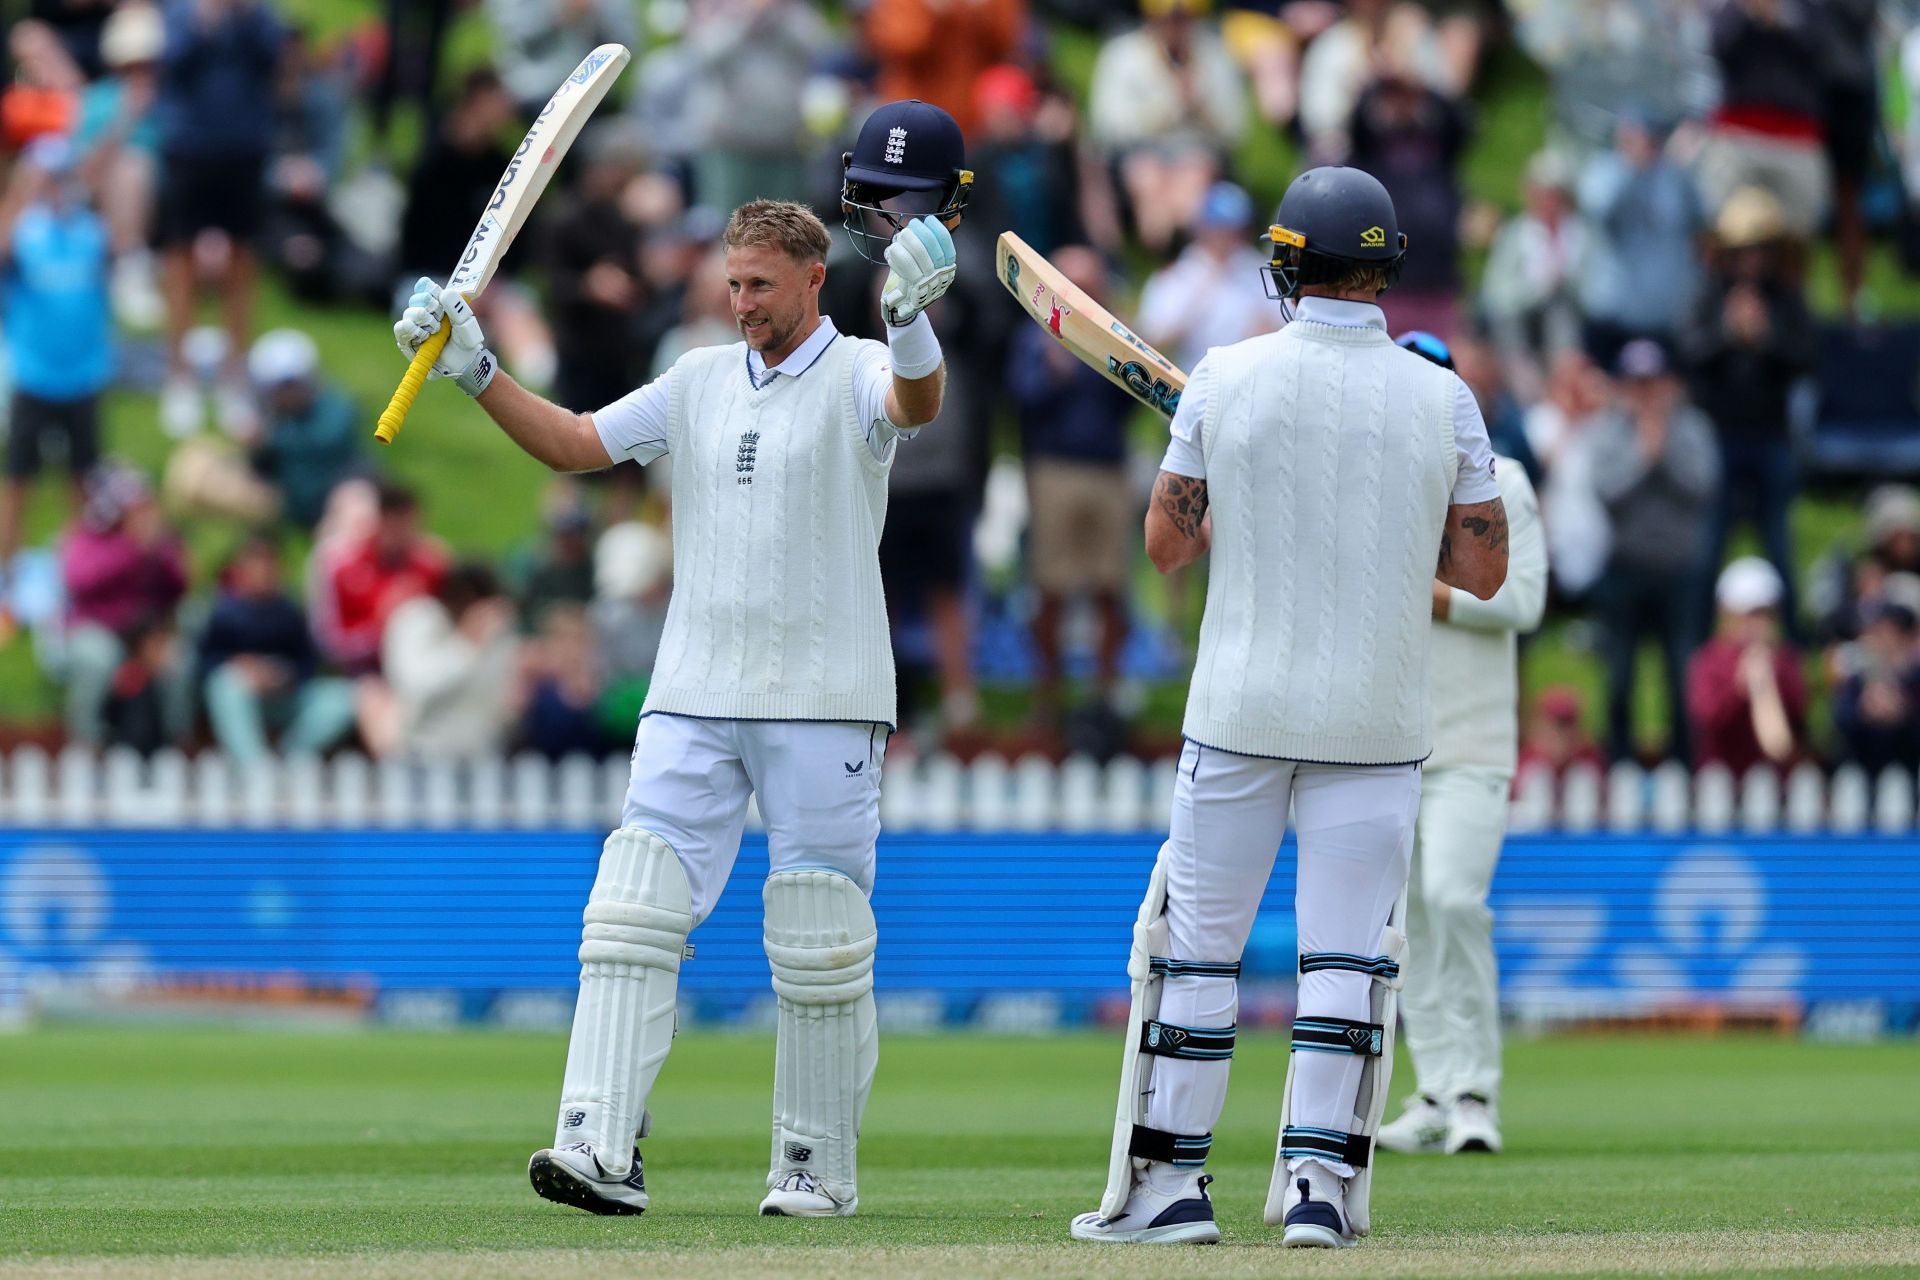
(1587, 926)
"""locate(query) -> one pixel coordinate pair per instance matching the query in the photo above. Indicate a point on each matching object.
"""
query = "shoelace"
(799, 1180)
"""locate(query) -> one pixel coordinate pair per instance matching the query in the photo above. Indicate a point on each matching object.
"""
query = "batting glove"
(465, 359)
(921, 268)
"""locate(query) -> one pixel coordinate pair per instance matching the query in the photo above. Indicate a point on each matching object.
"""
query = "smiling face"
(776, 300)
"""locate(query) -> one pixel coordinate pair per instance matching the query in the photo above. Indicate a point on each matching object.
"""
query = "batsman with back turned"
(1332, 476)
(775, 677)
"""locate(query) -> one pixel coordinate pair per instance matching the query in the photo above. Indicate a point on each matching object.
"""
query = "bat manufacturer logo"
(896, 146)
(1373, 238)
(1058, 312)
(594, 61)
(1157, 392)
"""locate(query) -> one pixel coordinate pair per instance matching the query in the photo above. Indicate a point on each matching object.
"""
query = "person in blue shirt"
(56, 322)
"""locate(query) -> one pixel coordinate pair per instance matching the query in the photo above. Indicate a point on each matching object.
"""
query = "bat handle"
(411, 382)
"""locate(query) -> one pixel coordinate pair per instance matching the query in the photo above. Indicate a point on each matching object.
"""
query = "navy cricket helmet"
(1331, 220)
(908, 162)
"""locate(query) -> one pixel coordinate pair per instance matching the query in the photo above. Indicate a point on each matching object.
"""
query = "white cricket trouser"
(1355, 829)
(817, 783)
(1450, 991)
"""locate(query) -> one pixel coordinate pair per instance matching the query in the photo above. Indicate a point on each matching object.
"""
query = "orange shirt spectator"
(935, 49)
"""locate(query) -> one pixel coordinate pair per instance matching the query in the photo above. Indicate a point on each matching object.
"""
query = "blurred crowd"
(1639, 335)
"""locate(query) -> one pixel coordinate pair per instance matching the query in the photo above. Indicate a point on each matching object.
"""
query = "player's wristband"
(915, 348)
(478, 378)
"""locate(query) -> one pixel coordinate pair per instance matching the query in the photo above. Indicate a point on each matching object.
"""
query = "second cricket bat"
(539, 154)
(1086, 328)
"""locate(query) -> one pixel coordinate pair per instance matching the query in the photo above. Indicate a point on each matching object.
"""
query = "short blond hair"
(1365, 277)
(781, 224)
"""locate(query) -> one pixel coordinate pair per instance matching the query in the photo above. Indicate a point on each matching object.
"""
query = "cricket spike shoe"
(1421, 1128)
(1167, 1206)
(1316, 1210)
(572, 1175)
(1474, 1125)
(799, 1195)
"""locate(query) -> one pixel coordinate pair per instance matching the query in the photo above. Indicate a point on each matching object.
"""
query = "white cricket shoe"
(799, 1195)
(181, 410)
(1422, 1127)
(572, 1175)
(1474, 1125)
(1316, 1210)
(1166, 1206)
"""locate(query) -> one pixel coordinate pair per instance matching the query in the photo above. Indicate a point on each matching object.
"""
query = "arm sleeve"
(1522, 598)
(1186, 449)
(635, 425)
(1474, 482)
(872, 379)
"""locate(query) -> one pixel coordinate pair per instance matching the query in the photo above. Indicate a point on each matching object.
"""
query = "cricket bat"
(539, 154)
(1086, 328)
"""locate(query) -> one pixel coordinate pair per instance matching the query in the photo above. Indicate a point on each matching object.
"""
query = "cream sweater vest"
(778, 504)
(1330, 462)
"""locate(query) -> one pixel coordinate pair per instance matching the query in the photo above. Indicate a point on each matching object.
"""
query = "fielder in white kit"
(1331, 475)
(1450, 997)
(775, 677)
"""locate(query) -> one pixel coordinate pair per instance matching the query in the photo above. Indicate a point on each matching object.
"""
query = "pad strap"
(1327, 1144)
(1205, 1044)
(1182, 1150)
(1378, 966)
(1338, 1035)
(1195, 968)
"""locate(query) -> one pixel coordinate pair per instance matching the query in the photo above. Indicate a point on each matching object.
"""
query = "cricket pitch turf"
(169, 1153)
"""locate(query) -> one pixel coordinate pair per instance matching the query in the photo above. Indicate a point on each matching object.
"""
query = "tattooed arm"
(1473, 548)
(1178, 530)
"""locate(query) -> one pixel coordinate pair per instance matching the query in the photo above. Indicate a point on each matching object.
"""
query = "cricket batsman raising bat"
(532, 166)
(775, 677)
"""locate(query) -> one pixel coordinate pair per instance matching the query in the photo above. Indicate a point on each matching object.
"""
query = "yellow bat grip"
(411, 382)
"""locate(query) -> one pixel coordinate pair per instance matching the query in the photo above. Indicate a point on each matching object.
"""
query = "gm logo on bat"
(1156, 391)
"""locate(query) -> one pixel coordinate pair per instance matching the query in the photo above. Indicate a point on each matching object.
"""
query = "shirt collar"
(799, 361)
(1341, 312)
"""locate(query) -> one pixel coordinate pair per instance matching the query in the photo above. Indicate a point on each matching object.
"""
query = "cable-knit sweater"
(1330, 459)
(778, 504)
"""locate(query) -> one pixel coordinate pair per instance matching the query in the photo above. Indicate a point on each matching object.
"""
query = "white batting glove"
(465, 359)
(921, 268)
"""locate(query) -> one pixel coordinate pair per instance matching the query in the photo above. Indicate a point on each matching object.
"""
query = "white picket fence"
(934, 794)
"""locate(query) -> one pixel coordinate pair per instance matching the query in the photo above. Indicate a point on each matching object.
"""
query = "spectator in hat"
(312, 432)
(1083, 521)
(1213, 294)
(116, 122)
(1167, 104)
(1656, 470)
(1746, 694)
(216, 122)
(56, 325)
(1876, 704)
(1849, 585)
(1769, 129)
(1751, 344)
(124, 573)
(935, 50)
(257, 665)
(1641, 277)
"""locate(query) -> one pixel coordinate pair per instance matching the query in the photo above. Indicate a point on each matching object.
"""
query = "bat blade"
(526, 176)
(1086, 328)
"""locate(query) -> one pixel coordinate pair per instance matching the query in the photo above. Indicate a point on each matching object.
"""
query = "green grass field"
(221, 1153)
